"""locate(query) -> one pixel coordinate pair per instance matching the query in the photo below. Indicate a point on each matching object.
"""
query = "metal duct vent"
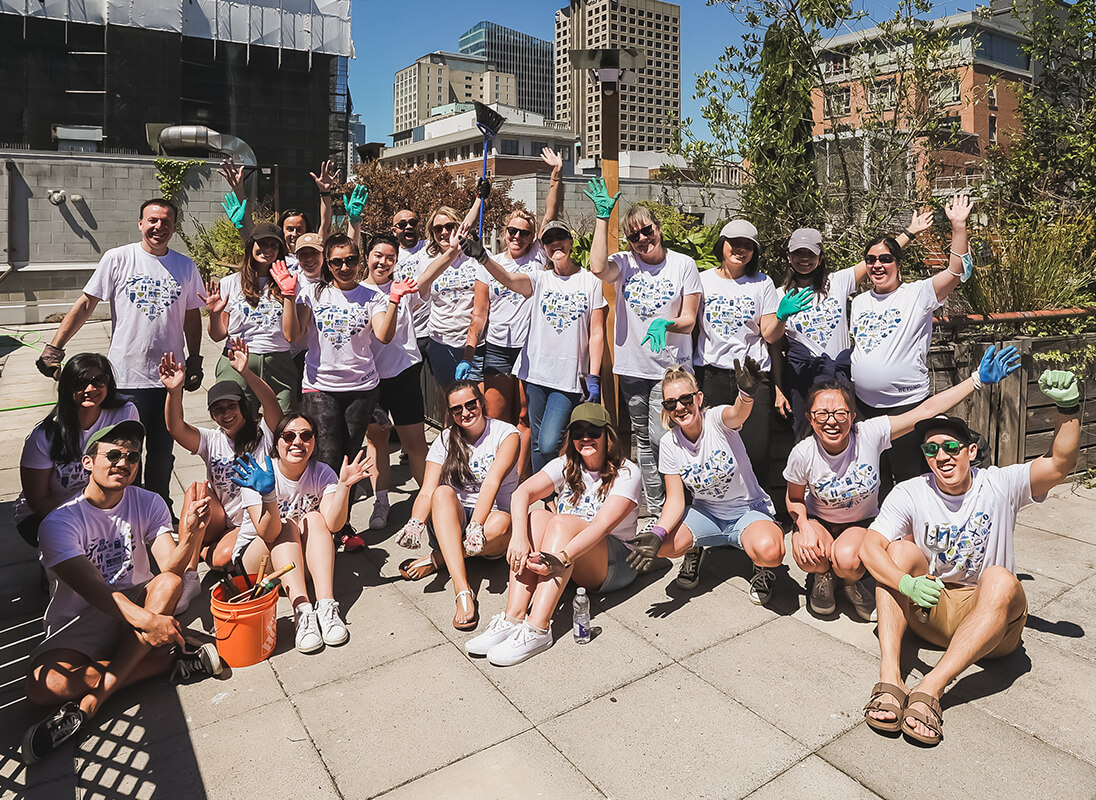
(185, 137)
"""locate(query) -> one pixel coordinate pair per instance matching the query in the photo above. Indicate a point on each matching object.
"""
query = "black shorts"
(838, 528)
(401, 397)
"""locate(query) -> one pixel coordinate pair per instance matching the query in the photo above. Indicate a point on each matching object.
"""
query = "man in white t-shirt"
(155, 297)
(956, 523)
(109, 621)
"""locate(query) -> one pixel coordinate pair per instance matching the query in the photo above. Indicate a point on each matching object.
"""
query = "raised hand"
(287, 282)
(248, 473)
(236, 209)
(483, 188)
(472, 247)
(328, 178)
(551, 158)
(50, 362)
(597, 192)
(353, 471)
(172, 373)
(355, 202)
(747, 376)
(232, 172)
(920, 222)
(400, 289)
(237, 354)
(194, 373)
(214, 302)
(995, 366)
(793, 302)
(1060, 385)
(656, 335)
(958, 208)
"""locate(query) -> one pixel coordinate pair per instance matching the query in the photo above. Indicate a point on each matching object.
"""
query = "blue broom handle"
(486, 141)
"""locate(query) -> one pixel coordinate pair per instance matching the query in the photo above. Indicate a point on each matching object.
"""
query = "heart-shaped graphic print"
(834, 491)
(338, 324)
(153, 296)
(871, 328)
(726, 315)
(712, 477)
(561, 309)
(647, 294)
(819, 320)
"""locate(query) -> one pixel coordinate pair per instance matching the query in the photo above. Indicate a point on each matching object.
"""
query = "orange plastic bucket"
(246, 631)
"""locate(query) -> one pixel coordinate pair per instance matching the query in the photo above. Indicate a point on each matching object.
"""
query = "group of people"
(324, 353)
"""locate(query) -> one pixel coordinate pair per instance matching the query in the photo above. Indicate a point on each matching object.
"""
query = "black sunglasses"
(350, 261)
(646, 230)
(404, 224)
(952, 448)
(470, 406)
(886, 258)
(586, 432)
(517, 233)
(96, 381)
(670, 403)
(115, 455)
(448, 226)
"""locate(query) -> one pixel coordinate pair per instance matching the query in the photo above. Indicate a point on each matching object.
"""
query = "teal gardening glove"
(597, 192)
(793, 302)
(656, 335)
(355, 203)
(236, 209)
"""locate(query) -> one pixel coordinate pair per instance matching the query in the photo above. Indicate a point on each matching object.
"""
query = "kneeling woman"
(598, 492)
(292, 506)
(470, 475)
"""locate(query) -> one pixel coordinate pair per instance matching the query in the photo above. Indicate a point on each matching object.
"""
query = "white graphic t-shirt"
(508, 318)
(480, 460)
(891, 334)
(115, 541)
(714, 468)
(69, 479)
(216, 450)
(557, 353)
(977, 527)
(730, 319)
(409, 263)
(628, 484)
(295, 498)
(403, 351)
(845, 487)
(645, 292)
(149, 297)
(451, 298)
(260, 325)
(823, 326)
(340, 354)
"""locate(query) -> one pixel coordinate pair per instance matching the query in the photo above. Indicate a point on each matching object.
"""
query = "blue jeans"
(443, 362)
(159, 445)
(549, 412)
(644, 398)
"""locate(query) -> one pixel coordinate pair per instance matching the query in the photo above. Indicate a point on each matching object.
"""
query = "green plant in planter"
(216, 249)
(171, 175)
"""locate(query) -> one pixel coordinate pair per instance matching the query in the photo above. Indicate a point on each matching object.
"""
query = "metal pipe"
(962, 320)
(180, 137)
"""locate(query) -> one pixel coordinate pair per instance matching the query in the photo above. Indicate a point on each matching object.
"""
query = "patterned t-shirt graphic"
(338, 324)
(563, 309)
(727, 314)
(871, 328)
(819, 320)
(587, 507)
(461, 278)
(835, 491)
(647, 294)
(221, 471)
(967, 550)
(152, 296)
(294, 508)
(266, 313)
(113, 557)
(711, 477)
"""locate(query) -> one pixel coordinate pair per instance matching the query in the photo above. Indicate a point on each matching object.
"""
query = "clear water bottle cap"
(581, 590)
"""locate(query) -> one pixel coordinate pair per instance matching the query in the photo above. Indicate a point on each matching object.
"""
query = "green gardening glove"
(236, 209)
(355, 203)
(923, 590)
(1060, 385)
(656, 335)
(597, 192)
(793, 302)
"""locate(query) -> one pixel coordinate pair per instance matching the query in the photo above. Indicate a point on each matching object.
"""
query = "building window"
(991, 98)
(838, 101)
(882, 95)
(993, 129)
(508, 147)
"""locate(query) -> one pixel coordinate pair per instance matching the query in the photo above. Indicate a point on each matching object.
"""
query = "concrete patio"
(690, 695)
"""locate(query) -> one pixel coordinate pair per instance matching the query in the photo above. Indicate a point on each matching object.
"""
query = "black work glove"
(550, 560)
(473, 248)
(645, 549)
(194, 374)
(49, 363)
(483, 188)
(747, 376)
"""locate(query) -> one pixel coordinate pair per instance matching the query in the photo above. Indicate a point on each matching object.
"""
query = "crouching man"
(109, 621)
(961, 519)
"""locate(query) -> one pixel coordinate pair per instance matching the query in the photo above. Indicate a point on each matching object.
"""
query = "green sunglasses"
(952, 448)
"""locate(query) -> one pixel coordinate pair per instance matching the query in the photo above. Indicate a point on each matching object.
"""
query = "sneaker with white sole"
(203, 662)
(192, 587)
(688, 577)
(379, 518)
(308, 638)
(498, 630)
(761, 585)
(821, 598)
(524, 642)
(42, 738)
(332, 629)
(862, 599)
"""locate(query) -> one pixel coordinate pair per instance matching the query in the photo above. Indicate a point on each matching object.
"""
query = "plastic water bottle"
(582, 616)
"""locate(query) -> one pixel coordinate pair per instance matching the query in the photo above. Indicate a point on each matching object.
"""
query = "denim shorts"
(500, 359)
(618, 574)
(711, 531)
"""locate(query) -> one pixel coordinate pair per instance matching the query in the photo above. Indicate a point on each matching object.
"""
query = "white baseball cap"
(740, 229)
(803, 239)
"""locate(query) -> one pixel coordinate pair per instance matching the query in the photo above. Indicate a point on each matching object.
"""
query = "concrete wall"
(49, 251)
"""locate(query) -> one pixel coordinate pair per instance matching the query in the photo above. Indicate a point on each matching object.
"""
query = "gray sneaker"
(761, 585)
(688, 577)
(821, 599)
(202, 662)
(862, 599)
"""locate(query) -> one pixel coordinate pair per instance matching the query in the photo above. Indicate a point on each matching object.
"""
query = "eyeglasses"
(952, 448)
(646, 230)
(350, 261)
(886, 258)
(95, 381)
(822, 415)
(291, 436)
(116, 455)
(469, 407)
(518, 233)
(670, 403)
(404, 224)
(448, 227)
(586, 432)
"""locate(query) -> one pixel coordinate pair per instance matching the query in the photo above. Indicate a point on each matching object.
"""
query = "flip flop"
(416, 569)
(875, 704)
(934, 720)
(473, 620)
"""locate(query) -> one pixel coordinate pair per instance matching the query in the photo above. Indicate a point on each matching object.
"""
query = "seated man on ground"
(961, 520)
(109, 622)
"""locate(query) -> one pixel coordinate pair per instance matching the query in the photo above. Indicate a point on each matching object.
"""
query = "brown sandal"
(876, 704)
(416, 569)
(472, 621)
(935, 722)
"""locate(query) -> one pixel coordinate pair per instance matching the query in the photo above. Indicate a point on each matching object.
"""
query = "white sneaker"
(525, 642)
(332, 628)
(192, 587)
(379, 518)
(308, 639)
(498, 630)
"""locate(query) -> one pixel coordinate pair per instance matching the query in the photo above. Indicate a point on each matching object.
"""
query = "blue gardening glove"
(1060, 385)
(236, 209)
(656, 335)
(597, 192)
(995, 366)
(356, 202)
(464, 369)
(251, 475)
(923, 590)
(593, 388)
(793, 302)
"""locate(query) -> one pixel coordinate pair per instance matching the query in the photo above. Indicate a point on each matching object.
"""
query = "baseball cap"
(807, 239)
(126, 429)
(554, 231)
(267, 230)
(224, 390)
(942, 423)
(313, 240)
(593, 413)
(740, 229)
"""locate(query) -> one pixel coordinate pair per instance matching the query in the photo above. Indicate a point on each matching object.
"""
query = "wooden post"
(610, 173)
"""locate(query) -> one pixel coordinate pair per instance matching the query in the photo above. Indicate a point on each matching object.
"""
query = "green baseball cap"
(592, 413)
(129, 429)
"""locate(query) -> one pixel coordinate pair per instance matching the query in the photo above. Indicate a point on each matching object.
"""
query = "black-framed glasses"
(447, 227)
(471, 406)
(115, 455)
(824, 415)
(950, 447)
(646, 230)
(518, 233)
(350, 261)
(289, 437)
(404, 224)
(886, 258)
(687, 400)
(95, 381)
(580, 431)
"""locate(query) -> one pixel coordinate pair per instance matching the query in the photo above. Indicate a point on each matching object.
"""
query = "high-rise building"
(527, 57)
(441, 79)
(647, 105)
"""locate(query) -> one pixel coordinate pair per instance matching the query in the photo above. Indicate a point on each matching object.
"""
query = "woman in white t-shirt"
(658, 293)
(51, 469)
(248, 304)
(587, 540)
(892, 331)
(470, 475)
(834, 477)
(291, 507)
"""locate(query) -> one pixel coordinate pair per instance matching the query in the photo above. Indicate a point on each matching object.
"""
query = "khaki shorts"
(954, 606)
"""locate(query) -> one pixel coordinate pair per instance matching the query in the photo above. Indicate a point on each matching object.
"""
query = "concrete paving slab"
(526, 766)
(672, 735)
(1039, 589)
(812, 777)
(1064, 559)
(1067, 511)
(54, 790)
(1068, 622)
(382, 728)
(980, 754)
(809, 685)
